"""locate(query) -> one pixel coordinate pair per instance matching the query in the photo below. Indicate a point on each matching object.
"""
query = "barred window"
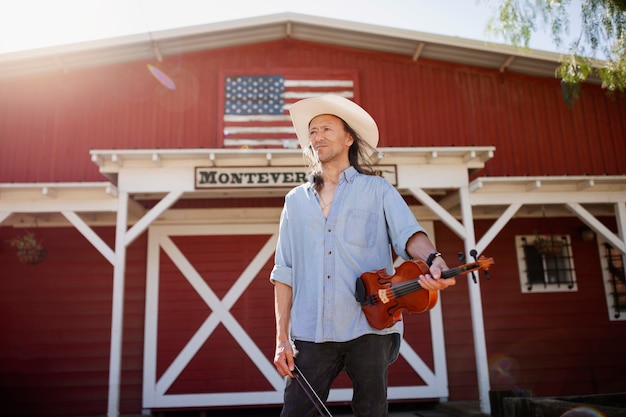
(545, 263)
(614, 280)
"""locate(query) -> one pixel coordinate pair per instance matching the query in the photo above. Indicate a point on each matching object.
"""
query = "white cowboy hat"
(303, 111)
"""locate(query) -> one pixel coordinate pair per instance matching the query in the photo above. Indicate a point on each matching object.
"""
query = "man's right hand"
(283, 358)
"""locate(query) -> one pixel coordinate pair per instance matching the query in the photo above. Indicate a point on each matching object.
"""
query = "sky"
(33, 24)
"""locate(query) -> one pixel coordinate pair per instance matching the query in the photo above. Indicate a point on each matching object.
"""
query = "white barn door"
(209, 326)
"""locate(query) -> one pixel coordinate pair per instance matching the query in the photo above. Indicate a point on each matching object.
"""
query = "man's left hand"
(433, 281)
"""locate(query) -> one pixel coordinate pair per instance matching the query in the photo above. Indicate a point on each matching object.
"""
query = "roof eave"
(145, 46)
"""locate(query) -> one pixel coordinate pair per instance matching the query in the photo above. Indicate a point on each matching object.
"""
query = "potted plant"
(29, 247)
(549, 245)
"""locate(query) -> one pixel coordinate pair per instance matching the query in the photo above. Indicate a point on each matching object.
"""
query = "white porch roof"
(96, 202)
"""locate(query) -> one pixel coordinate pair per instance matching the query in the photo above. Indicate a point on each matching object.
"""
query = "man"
(335, 227)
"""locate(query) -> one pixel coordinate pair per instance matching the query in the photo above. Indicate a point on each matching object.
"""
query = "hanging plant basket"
(31, 256)
(552, 245)
(30, 248)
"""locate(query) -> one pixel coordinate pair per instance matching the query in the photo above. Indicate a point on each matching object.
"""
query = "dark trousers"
(365, 360)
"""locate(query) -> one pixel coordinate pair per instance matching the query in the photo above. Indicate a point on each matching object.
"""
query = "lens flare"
(503, 369)
(162, 77)
(583, 411)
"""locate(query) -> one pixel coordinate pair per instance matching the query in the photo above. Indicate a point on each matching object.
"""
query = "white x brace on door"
(155, 387)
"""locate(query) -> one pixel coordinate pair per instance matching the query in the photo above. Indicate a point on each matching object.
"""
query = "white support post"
(4, 215)
(90, 235)
(151, 216)
(442, 213)
(478, 327)
(620, 216)
(497, 227)
(617, 241)
(117, 317)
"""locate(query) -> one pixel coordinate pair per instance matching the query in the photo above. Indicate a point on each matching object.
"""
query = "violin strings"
(413, 285)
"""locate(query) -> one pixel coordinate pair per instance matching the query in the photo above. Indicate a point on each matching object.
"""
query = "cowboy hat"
(303, 111)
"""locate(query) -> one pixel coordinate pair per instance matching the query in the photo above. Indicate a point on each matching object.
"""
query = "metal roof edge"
(205, 37)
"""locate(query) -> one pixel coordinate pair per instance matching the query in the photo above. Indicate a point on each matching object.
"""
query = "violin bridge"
(382, 295)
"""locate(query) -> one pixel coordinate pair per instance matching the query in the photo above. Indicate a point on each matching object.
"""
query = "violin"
(385, 297)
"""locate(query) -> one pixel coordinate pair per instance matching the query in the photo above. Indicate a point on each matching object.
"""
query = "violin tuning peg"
(461, 256)
(486, 274)
(473, 254)
(473, 277)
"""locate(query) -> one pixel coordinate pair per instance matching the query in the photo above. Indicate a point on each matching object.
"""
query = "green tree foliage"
(599, 50)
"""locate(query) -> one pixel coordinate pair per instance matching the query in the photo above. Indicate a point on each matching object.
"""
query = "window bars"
(549, 262)
(617, 280)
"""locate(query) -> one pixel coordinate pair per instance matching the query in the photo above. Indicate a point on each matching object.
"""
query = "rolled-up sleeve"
(283, 266)
(401, 222)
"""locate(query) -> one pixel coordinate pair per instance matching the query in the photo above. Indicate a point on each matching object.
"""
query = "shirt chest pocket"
(360, 228)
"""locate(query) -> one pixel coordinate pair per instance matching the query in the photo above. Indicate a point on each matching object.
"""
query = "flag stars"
(254, 95)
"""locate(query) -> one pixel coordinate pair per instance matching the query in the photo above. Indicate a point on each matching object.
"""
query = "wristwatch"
(431, 258)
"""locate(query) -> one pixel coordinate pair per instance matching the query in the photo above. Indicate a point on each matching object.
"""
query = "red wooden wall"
(56, 327)
(48, 120)
(551, 343)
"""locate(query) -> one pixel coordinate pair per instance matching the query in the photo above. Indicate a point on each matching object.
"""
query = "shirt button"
(330, 252)
(328, 277)
(329, 230)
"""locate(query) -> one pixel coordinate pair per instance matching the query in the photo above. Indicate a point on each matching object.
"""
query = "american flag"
(256, 106)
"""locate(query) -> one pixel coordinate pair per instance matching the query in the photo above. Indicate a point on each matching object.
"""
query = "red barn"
(158, 207)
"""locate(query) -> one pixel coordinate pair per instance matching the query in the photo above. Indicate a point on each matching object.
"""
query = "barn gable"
(107, 95)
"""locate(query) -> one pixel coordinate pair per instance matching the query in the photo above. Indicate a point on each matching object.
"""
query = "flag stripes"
(256, 107)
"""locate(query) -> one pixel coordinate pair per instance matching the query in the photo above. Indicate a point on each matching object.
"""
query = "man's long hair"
(358, 155)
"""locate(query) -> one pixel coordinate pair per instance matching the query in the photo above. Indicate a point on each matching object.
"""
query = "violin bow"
(310, 392)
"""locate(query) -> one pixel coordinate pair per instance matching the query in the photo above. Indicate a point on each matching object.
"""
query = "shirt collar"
(347, 175)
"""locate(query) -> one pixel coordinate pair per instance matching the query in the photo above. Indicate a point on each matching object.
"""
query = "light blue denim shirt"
(321, 258)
